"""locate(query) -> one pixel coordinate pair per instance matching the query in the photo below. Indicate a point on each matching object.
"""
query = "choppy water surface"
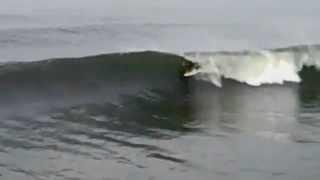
(133, 116)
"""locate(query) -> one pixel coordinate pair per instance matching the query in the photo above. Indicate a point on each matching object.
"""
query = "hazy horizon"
(225, 25)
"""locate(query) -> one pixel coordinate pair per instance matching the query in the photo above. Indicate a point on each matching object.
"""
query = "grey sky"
(199, 8)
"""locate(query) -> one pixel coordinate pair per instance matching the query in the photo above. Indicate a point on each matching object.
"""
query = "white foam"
(255, 68)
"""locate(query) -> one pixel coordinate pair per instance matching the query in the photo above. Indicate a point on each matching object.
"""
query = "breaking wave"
(153, 70)
(255, 68)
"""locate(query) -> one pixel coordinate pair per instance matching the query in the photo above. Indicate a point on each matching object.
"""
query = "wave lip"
(255, 68)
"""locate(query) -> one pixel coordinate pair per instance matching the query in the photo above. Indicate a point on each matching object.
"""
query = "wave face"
(77, 79)
(255, 68)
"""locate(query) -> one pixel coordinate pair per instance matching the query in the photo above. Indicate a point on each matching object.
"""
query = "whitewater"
(255, 68)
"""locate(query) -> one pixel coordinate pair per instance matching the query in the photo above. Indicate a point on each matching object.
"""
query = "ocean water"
(159, 91)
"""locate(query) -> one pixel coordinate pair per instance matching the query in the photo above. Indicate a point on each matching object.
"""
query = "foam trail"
(255, 68)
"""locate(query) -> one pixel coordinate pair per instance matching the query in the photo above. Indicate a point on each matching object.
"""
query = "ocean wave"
(255, 68)
(107, 75)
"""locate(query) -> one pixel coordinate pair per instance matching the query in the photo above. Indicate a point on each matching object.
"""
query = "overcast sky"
(198, 8)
